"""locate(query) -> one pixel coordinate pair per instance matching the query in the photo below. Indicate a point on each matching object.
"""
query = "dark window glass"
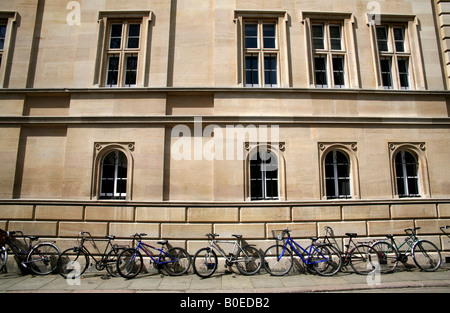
(320, 69)
(335, 37)
(116, 36)
(134, 31)
(318, 38)
(269, 36)
(251, 36)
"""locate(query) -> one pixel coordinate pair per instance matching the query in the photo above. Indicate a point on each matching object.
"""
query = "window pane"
(113, 71)
(399, 37)
(386, 75)
(2, 36)
(335, 37)
(131, 70)
(320, 71)
(338, 72)
(116, 36)
(403, 73)
(270, 70)
(251, 70)
(251, 36)
(269, 36)
(382, 38)
(318, 38)
(133, 36)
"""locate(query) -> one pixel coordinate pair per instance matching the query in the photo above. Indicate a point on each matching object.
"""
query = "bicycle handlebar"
(444, 227)
(212, 235)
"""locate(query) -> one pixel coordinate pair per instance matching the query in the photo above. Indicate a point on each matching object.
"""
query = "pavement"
(226, 281)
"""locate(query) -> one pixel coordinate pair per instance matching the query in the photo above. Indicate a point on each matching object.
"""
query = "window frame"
(281, 50)
(277, 149)
(101, 150)
(329, 54)
(106, 19)
(413, 49)
(335, 177)
(115, 194)
(418, 151)
(8, 18)
(261, 52)
(349, 149)
(263, 177)
(394, 56)
(348, 50)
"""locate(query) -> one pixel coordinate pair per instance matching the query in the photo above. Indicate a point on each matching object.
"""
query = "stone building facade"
(183, 117)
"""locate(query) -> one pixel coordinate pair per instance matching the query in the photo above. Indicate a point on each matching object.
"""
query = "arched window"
(337, 175)
(113, 181)
(407, 174)
(264, 176)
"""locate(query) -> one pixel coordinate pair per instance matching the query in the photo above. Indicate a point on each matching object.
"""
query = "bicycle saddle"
(33, 238)
(390, 236)
(313, 238)
(237, 236)
(351, 235)
(162, 242)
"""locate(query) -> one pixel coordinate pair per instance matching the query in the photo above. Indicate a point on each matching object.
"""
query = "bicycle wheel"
(325, 259)
(205, 262)
(111, 263)
(361, 260)
(43, 258)
(278, 260)
(426, 255)
(386, 255)
(72, 263)
(180, 265)
(129, 263)
(3, 258)
(249, 260)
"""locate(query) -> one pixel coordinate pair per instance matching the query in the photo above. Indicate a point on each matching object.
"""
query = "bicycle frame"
(102, 262)
(142, 246)
(213, 245)
(291, 243)
(410, 240)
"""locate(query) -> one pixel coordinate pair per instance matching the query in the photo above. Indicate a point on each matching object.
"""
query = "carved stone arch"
(251, 148)
(350, 150)
(418, 150)
(101, 150)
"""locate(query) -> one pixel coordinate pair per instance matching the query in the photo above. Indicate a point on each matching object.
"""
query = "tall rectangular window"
(329, 55)
(122, 53)
(261, 53)
(2, 40)
(393, 56)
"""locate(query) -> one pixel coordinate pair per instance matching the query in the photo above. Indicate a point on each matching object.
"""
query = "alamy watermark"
(214, 142)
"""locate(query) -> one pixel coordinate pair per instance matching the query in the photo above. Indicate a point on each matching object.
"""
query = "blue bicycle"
(323, 259)
(175, 261)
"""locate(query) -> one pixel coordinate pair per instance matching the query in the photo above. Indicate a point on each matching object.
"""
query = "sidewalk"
(224, 282)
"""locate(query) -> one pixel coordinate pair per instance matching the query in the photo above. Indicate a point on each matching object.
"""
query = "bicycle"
(424, 253)
(175, 261)
(323, 259)
(442, 230)
(40, 258)
(74, 262)
(246, 258)
(356, 255)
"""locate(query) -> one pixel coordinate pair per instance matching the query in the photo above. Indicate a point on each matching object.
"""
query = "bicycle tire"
(182, 263)
(275, 263)
(205, 262)
(111, 263)
(72, 263)
(129, 263)
(43, 258)
(249, 260)
(3, 258)
(325, 259)
(385, 255)
(361, 260)
(426, 255)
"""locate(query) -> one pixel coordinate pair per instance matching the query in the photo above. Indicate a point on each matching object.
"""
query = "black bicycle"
(356, 254)
(41, 258)
(73, 262)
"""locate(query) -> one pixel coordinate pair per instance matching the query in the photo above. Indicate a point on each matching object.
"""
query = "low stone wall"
(185, 224)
